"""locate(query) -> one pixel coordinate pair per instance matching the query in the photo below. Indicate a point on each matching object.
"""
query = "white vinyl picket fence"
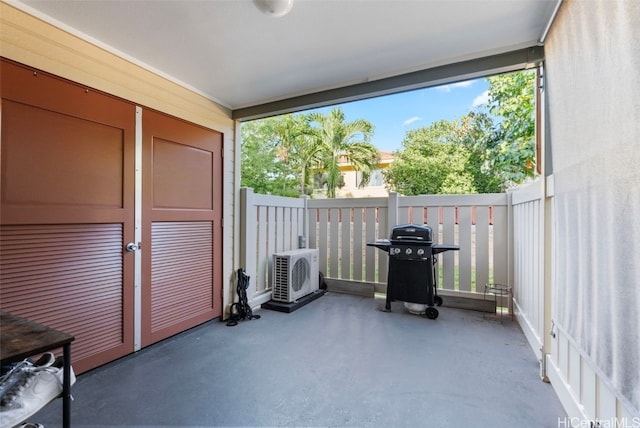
(528, 258)
(341, 228)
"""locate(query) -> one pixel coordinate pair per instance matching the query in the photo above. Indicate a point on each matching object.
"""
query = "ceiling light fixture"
(275, 8)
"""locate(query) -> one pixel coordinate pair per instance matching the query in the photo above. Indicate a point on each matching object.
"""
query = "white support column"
(137, 298)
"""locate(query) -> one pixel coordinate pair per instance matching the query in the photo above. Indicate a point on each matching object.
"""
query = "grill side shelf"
(382, 244)
(441, 248)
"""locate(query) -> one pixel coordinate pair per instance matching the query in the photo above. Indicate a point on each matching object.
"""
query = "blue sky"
(394, 115)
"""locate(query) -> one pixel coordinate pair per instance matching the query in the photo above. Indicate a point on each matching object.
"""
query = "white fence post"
(392, 213)
(248, 234)
(528, 261)
(247, 231)
(305, 219)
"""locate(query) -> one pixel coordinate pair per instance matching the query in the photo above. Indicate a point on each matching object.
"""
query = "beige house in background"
(353, 178)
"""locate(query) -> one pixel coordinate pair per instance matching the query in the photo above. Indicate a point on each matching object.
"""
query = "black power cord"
(241, 309)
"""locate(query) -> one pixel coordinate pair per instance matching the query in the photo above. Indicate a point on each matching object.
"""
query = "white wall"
(593, 86)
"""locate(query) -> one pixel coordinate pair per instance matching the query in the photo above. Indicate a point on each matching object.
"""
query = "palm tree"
(339, 139)
(296, 147)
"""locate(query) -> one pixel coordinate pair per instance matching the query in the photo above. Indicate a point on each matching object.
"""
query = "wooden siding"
(33, 41)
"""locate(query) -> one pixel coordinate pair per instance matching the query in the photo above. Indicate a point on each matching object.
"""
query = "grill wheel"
(431, 313)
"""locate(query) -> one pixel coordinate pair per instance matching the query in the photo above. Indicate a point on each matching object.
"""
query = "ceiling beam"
(436, 76)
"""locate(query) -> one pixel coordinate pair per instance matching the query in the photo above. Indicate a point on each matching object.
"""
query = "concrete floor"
(338, 361)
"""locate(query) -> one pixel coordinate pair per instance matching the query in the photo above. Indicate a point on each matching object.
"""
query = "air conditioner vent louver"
(299, 274)
(295, 274)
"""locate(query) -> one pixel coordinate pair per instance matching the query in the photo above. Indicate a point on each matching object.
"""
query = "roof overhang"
(450, 73)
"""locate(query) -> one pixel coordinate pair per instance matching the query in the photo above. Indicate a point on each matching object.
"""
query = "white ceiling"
(239, 57)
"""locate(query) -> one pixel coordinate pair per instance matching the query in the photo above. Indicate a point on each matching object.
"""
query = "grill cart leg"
(432, 293)
(437, 299)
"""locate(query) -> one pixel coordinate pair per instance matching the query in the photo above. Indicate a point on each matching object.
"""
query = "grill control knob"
(396, 251)
(408, 251)
(420, 251)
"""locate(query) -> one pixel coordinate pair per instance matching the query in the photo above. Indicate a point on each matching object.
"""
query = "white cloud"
(452, 86)
(411, 120)
(464, 84)
(481, 99)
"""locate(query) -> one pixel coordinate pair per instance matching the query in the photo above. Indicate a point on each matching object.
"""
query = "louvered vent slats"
(182, 271)
(281, 282)
(68, 277)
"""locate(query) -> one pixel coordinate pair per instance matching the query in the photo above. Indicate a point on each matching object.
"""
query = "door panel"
(66, 211)
(182, 217)
(68, 276)
(177, 187)
(181, 254)
(44, 163)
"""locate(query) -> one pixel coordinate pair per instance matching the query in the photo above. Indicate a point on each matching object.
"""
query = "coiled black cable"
(241, 309)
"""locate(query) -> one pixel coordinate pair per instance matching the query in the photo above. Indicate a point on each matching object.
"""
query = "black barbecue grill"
(412, 266)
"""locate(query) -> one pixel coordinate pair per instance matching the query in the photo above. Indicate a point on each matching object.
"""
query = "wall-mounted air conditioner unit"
(295, 274)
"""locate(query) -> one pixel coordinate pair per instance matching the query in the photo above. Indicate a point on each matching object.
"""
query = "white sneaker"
(40, 386)
(19, 370)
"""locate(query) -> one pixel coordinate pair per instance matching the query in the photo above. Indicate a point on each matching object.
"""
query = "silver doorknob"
(132, 246)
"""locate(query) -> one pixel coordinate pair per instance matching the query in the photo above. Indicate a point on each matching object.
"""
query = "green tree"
(340, 139)
(499, 145)
(262, 166)
(512, 100)
(436, 160)
(477, 133)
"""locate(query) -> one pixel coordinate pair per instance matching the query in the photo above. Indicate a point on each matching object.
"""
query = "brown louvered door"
(181, 229)
(67, 208)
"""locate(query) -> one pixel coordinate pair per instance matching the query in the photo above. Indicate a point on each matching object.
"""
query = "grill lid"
(412, 233)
